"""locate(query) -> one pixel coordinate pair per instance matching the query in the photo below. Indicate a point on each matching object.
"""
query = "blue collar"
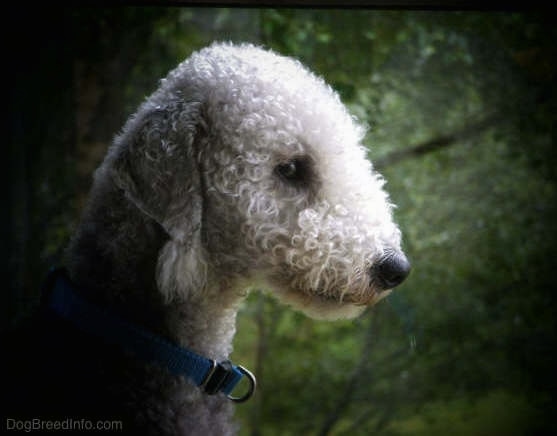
(211, 376)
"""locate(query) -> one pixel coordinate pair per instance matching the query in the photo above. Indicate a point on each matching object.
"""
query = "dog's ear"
(154, 163)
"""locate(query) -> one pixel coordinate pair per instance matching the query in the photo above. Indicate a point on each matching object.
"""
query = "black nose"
(391, 270)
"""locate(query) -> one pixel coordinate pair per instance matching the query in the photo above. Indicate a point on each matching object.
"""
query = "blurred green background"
(460, 108)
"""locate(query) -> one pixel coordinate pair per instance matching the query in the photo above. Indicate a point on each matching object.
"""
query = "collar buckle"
(223, 377)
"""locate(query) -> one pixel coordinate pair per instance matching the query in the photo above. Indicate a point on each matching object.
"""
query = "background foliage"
(461, 114)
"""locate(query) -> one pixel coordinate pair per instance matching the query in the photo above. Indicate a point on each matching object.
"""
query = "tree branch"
(438, 143)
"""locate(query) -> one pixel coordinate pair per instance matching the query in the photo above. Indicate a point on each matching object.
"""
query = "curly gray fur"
(243, 168)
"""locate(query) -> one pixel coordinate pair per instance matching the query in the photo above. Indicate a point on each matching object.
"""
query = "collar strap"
(211, 376)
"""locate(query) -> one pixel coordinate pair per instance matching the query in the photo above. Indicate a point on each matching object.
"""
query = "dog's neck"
(207, 327)
(112, 260)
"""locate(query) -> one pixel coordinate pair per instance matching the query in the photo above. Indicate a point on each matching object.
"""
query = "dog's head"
(256, 170)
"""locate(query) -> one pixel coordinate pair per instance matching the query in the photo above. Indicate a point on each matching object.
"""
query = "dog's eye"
(295, 171)
(288, 170)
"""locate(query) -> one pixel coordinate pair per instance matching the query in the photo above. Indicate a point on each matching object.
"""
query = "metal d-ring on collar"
(59, 297)
(251, 389)
(221, 378)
